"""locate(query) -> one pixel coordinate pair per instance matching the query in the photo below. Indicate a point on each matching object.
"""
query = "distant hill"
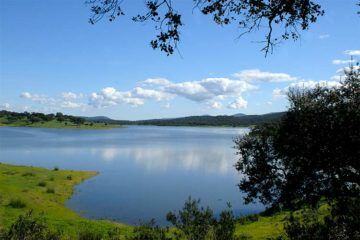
(237, 120)
(97, 119)
(239, 115)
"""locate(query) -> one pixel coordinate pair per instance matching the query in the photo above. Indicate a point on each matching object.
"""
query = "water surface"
(144, 171)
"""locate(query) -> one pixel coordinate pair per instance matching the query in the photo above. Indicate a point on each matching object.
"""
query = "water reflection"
(162, 159)
(144, 171)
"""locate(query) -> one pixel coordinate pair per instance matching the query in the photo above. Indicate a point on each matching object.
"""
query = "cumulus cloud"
(239, 103)
(208, 89)
(215, 92)
(5, 106)
(255, 75)
(36, 98)
(278, 92)
(352, 52)
(70, 96)
(69, 104)
(67, 100)
(338, 61)
(109, 96)
(155, 81)
(215, 105)
(150, 94)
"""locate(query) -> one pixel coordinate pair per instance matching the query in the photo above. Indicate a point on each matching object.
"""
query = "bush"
(69, 177)
(149, 231)
(27, 227)
(198, 223)
(87, 234)
(56, 169)
(28, 174)
(42, 184)
(50, 190)
(343, 223)
(248, 219)
(17, 203)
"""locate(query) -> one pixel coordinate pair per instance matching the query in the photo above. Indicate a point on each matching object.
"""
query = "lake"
(144, 171)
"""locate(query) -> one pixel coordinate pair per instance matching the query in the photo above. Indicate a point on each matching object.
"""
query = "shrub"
(248, 219)
(17, 203)
(69, 177)
(50, 190)
(42, 184)
(198, 223)
(27, 227)
(87, 234)
(28, 174)
(149, 231)
(56, 169)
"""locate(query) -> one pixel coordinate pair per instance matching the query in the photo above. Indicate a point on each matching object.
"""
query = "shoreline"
(21, 182)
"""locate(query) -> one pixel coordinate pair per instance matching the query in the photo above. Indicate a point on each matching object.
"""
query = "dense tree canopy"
(312, 152)
(249, 15)
(311, 155)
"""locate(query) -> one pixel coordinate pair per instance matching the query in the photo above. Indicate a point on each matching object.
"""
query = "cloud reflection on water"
(210, 160)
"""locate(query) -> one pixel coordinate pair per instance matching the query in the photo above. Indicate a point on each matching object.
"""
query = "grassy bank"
(45, 191)
(56, 124)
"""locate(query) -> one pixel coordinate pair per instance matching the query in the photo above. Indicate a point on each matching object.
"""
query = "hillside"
(238, 120)
(58, 120)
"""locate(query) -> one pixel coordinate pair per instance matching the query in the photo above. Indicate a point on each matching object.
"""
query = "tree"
(249, 15)
(311, 154)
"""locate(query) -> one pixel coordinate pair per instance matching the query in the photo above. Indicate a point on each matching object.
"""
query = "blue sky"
(52, 59)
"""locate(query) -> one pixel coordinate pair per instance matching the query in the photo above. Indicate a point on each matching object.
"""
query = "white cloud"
(190, 90)
(110, 96)
(155, 81)
(36, 98)
(67, 100)
(214, 92)
(5, 106)
(352, 52)
(239, 103)
(69, 96)
(324, 36)
(255, 75)
(277, 92)
(338, 61)
(215, 105)
(150, 94)
(313, 84)
(69, 104)
(209, 89)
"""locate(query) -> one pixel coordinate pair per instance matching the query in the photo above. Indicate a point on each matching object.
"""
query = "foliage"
(57, 120)
(88, 234)
(28, 227)
(149, 231)
(197, 223)
(221, 120)
(343, 223)
(17, 203)
(312, 153)
(247, 15)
